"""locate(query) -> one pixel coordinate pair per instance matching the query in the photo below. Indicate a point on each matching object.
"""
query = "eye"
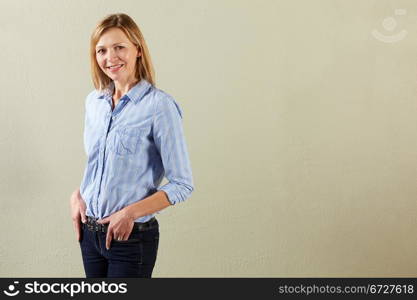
(120, 47)
(99, 51)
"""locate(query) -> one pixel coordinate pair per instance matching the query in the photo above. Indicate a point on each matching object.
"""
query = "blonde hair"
(144, 67)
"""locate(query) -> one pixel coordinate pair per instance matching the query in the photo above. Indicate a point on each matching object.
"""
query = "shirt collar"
(135, 93)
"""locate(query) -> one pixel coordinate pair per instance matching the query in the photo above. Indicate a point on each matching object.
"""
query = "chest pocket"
(127, 140)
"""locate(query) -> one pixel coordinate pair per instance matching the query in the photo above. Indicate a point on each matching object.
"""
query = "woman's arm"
(169, 138)
(121, 222)
(153, 203)
(78, 208)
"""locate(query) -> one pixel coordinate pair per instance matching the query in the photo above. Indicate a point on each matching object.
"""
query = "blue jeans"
(134, 257)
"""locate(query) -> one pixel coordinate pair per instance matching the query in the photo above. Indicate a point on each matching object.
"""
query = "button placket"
(102, 155)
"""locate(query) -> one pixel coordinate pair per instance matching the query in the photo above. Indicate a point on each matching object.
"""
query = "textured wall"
(300, 122)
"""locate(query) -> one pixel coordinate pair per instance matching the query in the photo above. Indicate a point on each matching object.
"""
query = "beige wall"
(301, 129)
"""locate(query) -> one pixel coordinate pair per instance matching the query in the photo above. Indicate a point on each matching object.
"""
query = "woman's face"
(116, 55)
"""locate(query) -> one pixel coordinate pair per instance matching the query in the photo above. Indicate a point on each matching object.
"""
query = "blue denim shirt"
(131, 148)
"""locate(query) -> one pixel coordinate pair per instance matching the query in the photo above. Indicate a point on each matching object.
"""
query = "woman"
(133, 136)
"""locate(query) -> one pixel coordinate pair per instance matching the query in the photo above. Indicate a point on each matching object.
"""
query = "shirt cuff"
(176, 193)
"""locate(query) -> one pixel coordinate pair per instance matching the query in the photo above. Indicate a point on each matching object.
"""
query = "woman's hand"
(120, 226)
(78, 209)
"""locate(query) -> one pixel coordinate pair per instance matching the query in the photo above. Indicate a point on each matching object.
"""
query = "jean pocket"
(82, 233)
(149, 247)
(133, 238)
(128, 140)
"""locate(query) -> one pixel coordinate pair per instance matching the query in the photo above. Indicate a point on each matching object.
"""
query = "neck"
(121, 88)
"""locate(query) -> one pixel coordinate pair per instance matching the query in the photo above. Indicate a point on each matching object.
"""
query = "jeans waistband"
(92, 225)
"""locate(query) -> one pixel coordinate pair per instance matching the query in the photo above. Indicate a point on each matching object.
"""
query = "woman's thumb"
(83, 217)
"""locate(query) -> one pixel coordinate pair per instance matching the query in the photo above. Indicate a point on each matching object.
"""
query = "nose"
(111, 55)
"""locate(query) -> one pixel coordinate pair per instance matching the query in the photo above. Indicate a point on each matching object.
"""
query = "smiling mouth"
(115, 67)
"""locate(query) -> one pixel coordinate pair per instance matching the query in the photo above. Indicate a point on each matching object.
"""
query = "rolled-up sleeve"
(170, 141)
